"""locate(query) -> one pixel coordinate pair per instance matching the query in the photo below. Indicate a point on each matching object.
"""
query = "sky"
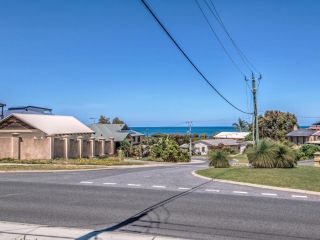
(88, 58)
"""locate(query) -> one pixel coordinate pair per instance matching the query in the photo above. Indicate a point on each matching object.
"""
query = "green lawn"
(242, 158)
(306, 178)
(61, 164)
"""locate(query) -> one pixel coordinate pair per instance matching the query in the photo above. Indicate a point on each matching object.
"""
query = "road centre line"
(158, 186)
(269, 194)
(183, 188)
(212, 190)
(134, 185)
(86, 182)
(299, 196)
(110, 183)
(240, 192)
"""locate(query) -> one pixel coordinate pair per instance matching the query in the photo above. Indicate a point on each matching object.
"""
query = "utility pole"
(255, 124)
(190, 137)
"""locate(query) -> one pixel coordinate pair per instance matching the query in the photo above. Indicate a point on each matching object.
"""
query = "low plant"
(271, 154)
(262, 155)
(219, 159)
(307, 151)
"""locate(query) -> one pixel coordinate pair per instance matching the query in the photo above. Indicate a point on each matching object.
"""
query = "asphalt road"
(163, 200)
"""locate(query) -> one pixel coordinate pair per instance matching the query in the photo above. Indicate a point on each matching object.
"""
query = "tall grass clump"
(271, 154)
(219, 159)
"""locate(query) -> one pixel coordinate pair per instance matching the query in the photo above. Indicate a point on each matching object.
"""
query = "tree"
(276, 124)
(126, 147)
(117, 120)
(104, 120)
(241, 125)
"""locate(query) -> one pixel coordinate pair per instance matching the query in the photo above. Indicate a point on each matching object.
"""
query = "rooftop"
(52, 124)
(217, 142)
(232, 135)
(302, 132)
(117, 131)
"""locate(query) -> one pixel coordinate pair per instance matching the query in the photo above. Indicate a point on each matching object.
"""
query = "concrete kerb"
(97, 168)
(12, 230)
(257, 185)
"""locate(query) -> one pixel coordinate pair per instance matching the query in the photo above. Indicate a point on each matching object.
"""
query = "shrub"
(271, 154)
(263, 154)
(285, 156)
(307, 151)
(168, 150)
(219, 159)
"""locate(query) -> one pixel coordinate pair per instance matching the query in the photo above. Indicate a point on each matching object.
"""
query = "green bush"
(262, 155)
(271, 154)
(168, 150)
(307, 151)
(285, 156)
(219, 159)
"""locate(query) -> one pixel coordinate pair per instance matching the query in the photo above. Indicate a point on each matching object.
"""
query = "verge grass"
(306, 178)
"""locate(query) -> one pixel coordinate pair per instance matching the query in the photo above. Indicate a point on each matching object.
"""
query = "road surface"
(168, 201)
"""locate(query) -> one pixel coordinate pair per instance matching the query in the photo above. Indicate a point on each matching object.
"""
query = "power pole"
(190, 137)
(255, 124)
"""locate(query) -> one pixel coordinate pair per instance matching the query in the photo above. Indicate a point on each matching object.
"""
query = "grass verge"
(242, 158)
(61, 164)
(305, 178)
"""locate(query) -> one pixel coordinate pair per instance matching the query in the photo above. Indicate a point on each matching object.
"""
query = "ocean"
(210, 131)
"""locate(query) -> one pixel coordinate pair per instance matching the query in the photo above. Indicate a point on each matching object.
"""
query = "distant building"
(232, 135)
(203, 147)
(28, 110)
(2, 106)
(40, 136)
(118, 132)
(304, 135)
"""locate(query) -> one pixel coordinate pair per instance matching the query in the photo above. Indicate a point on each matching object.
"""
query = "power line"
(243, 57)
(189, 60)
(219, 40)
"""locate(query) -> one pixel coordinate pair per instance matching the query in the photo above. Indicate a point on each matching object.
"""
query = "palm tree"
(241, 125)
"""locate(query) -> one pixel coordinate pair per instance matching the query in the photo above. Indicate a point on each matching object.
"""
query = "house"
(41, 136)
(203, 147)
(304, 135)
(119, 132)
(232, 135)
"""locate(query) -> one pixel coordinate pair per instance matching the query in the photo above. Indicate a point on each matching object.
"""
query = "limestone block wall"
(5, 147)
(73, 148)
(86, 148)
(35, 148)
(58, 151)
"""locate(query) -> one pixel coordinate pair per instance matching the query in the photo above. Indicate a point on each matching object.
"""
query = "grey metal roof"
(217, 142)
(116, 131)
(303, 132)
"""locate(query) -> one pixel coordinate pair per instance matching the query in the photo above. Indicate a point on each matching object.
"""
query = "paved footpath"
(158, 201)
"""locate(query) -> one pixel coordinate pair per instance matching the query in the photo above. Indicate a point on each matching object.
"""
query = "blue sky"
(87, 58)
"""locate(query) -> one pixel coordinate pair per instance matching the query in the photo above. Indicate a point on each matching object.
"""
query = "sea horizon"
(209, 130)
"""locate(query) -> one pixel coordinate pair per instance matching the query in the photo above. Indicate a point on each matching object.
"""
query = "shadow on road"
(141, 214)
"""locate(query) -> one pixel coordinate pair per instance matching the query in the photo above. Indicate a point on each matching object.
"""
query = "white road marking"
(134, 185)
(240, 192)
(269, 194)
(184, 188)
(299, 196)
(86, 182)
(109, 183)
(158, 186)
(212, 190)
